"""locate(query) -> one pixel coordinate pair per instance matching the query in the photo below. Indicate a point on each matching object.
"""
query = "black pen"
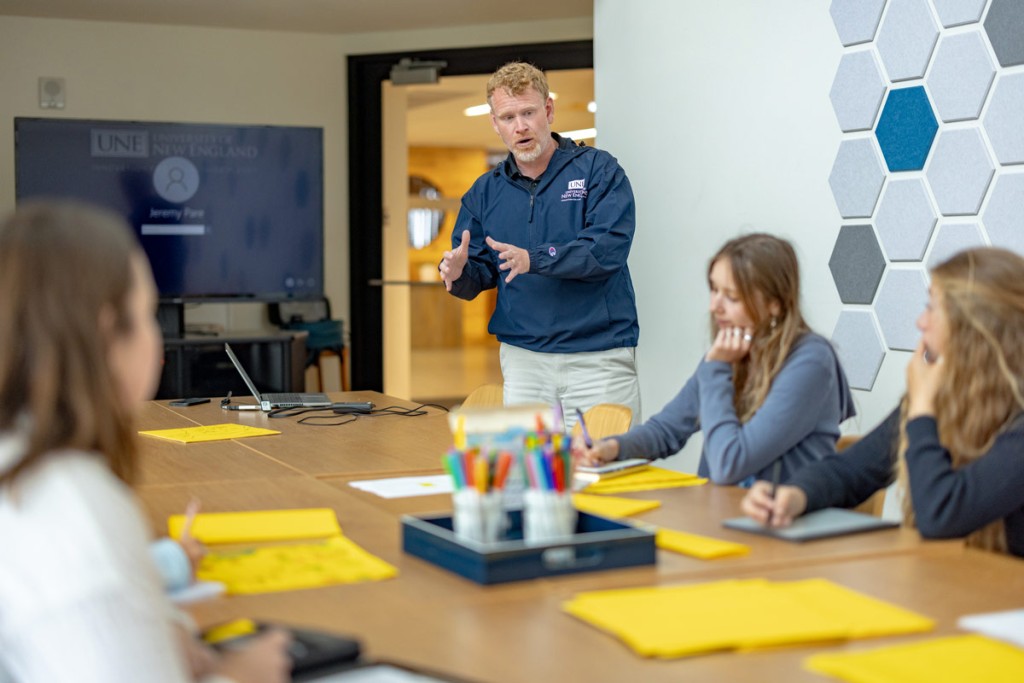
(776, 474)
(583, 429)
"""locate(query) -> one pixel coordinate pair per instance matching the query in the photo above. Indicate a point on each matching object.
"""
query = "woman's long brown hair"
(766, 270)
(982, 291)
(61, 265)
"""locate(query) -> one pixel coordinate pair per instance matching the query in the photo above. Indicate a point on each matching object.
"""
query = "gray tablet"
(824, 523)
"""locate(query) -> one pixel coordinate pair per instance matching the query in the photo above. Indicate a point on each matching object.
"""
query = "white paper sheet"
(1008, 626)
(406, 487)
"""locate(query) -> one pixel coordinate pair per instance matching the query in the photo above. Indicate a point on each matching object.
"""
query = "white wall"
(720, 114)
(176, 73)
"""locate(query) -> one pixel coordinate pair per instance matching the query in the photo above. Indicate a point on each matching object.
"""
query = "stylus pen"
(776, 474)
(583, 429)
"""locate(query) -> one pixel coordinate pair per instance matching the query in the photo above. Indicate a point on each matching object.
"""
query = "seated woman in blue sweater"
(769, 389)
(956, 443)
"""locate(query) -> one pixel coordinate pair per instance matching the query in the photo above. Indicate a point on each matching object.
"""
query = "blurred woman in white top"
(79, 351)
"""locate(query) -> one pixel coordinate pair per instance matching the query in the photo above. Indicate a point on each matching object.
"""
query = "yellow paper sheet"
(293, 567)
(609, 506)
(220, 432)
(681, 621)
(261, 525)
(701, 547)
(647, 479)
(937, 660)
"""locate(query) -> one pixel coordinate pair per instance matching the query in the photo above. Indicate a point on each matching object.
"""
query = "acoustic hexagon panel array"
(930, 104)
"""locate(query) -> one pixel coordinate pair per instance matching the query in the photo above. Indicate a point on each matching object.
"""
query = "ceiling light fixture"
(581, 134)
(477, 110)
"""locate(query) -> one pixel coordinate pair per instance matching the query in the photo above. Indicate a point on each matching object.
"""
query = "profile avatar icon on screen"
(176, 179)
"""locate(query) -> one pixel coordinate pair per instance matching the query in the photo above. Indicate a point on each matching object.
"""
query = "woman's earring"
(775, 321)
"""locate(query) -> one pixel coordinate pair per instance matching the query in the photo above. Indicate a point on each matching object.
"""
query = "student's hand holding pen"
(788, 503)
(195, 550)
(600, 453)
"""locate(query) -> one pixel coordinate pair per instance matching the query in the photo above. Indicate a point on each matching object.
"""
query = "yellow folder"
(220, 432)
(937, 660)
(610, 506)
(261, 525)
(292, 567)
(701, 547)
(681, 621)
(647, 479)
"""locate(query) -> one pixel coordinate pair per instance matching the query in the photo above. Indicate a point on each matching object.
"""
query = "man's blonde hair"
(517, 78)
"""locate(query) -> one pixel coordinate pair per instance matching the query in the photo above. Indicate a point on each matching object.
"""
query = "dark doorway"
(366, 201)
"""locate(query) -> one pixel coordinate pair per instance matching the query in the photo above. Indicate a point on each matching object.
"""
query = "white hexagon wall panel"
(959, 171)
(960, 76)
(856, 178)
(859, 348)
(901, 298)
(905, 220)
(959, 12)
(954, 237)
(906, 39)
(856, 20)
(1004, 216)
(1004, 120)
(857, 91)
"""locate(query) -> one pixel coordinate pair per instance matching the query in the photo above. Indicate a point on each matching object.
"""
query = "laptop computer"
(270, 401)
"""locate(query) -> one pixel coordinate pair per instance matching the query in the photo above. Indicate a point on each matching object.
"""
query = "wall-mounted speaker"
(51, 93)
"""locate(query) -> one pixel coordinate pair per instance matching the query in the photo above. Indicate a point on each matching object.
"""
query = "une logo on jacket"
(577, 191)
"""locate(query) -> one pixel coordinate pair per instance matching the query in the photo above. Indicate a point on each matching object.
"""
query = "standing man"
(551, 228)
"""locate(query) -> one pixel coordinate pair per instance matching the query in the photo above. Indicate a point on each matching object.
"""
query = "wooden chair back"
(485, 396)
(604, 420)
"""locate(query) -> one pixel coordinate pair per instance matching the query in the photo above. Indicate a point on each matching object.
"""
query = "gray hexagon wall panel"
(856, 20)
(901, 298)
(859, 348)
(857, 91)
(906, 39)
(857, 264)
(856, 178)
(1004, 120)
(1004, 216)
(905, 220)
(960, 76)
(959, 12)
(960, 171)
(1005, 26)
(954, 237)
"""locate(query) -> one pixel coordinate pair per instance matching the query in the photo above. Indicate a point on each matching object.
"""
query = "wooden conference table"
(516, 632)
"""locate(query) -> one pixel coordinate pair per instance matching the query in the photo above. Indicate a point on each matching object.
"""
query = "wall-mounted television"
(224, 212)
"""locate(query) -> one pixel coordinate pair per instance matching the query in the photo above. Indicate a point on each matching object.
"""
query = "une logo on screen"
(106, 142)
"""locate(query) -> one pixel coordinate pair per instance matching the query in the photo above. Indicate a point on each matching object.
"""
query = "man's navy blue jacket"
(577, 222)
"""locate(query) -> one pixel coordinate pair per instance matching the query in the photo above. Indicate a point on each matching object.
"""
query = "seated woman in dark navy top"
(955, 445)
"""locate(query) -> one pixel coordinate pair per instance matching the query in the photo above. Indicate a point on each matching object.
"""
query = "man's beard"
(528, 156)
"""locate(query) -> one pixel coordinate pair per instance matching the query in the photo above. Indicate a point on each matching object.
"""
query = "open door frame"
(365, 173)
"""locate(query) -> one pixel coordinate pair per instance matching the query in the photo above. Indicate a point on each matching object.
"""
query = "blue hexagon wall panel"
(1004, 120)
(859, 348)
(905, 220)
(856, 20)
(857, 264)
(906, 129)
(960, 171)
(857, 91)
(1005, 26)
(958, 12)
(856, 178)
(901, 298)
(906, 38)
(1004, 215)
(960, 76)
(951, 238)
